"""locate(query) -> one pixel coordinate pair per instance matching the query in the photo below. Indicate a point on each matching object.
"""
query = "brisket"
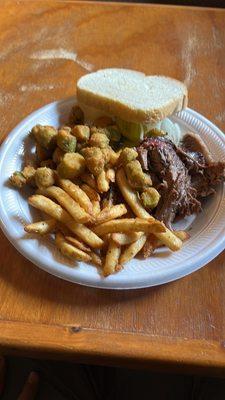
(182, 175)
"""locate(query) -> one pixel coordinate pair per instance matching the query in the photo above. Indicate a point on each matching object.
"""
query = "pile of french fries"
(87, 227)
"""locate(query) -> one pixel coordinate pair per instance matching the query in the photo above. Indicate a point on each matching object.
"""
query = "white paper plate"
(207, 229)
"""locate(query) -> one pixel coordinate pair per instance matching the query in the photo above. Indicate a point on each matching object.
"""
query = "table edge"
(78, 344)
(136, 4)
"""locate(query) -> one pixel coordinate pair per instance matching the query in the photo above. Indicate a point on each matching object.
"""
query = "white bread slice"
(132, 95)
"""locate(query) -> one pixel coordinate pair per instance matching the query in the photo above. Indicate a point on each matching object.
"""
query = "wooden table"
(44, 48)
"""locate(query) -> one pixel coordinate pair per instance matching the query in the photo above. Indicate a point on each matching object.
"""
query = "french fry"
(150, 245)
(127, 225)
(90, 192)
(111, 175)
(76, 193)
(119, 268)
(86, 234)
(126, 238)
(109, 213)
(70, 251)
(73, 208)
(106, 239)
(89, 180)
(182, 235)
(96, 259)
(77, 243)
(63, 229)
(133, 249)
(96, 207)
(168, 238)
(41, 227)
(102, 182)
(130, 195)
(48, 206)
(112, 258)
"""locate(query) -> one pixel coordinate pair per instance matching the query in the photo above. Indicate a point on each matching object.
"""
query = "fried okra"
(95, 160)
(127, 154)
(66, 142)
(71, 166)
(66, 128)
(29, 174)
(21, 178)
(45, 135)
(136, 177)
(81, 132)
(44, 177)
(17, 179)
(99, 140)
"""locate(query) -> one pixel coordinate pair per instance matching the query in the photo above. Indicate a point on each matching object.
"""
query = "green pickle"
(133, 131)
(114, 134)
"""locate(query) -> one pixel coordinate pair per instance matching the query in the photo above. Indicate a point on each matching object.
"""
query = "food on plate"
(44, 177)
(136, 177)
(77, 243)
(77, 194)
(136, 101)
(127, 155)
(71, 166)
(112, 258)
(94, 160)
(45, 136)
(132, 250)
(66, 201)
(183, 175)
(65, 141)
(18, 180)
(69, 250)
(41, 227)
(126, 238)
(127, 225)
(81, 132)
(151, 243)
(150, 198)
(111, 212)
(113, 180)
(26, 176)
(53, 209)
(57, 155)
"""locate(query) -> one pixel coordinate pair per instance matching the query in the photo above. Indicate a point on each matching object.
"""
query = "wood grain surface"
(45, 46)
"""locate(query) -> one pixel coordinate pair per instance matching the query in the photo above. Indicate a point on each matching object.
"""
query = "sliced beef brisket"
(182, 175)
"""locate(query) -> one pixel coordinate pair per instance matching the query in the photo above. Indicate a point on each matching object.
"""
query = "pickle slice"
(131, 130)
